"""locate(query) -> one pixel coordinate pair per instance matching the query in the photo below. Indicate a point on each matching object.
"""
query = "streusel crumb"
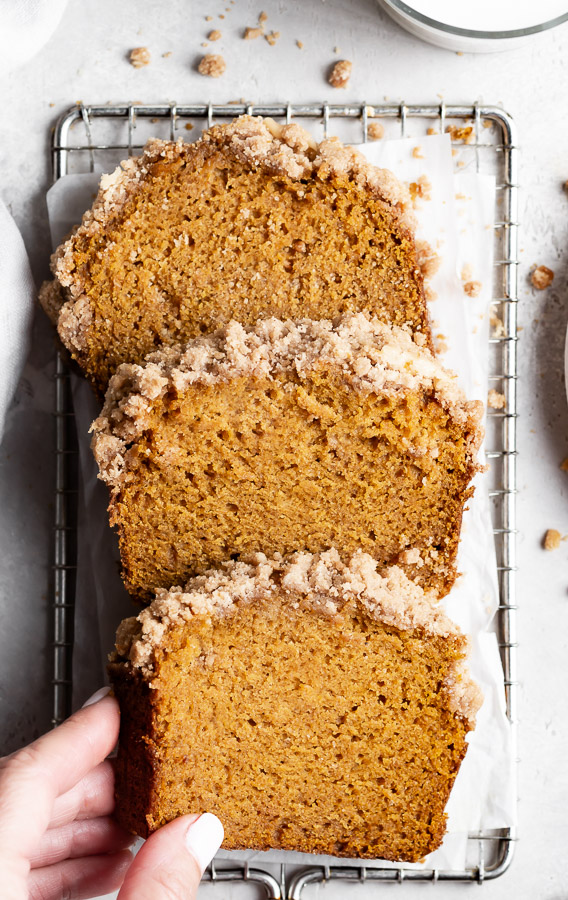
(417, 153)
(472, 288)
(341, 73)
(496, 400)
(139, 57)
(375, 131)
(252, 33)
(212, 65)
(552, 539)
(541, 277)
(272, 37)
(214, 35)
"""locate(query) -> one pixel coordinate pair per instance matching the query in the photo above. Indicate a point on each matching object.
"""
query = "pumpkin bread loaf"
(283, 437)
(252, 220)
(312, 705)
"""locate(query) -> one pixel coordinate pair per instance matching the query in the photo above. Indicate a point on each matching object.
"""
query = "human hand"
(57, 837)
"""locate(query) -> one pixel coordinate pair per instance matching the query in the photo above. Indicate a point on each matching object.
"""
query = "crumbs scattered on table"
(417, 153)
(262, 18)
(272, 37)
(541, 277)
(428, 260)
(466, 272)
(341, 73)
(375, 131)
(250, 34)
(552, 539)
(167, 54)
(461, 196)
(441, 343)
(214, 35)
(208, 18)
(465, 133)
(496, 400)
(432, 131)
(564, 464)
(139, 57)
(212, 65)
(300, 45)
(336, 50)
(497, 325)
(188, 126)
(472, 288)
(420, 189)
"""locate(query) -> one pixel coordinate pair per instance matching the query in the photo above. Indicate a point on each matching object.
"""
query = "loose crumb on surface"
(272, 37)
(466, 272)
(442, 345)
(212, 65)
(251, 33)
(262, 18)
(166, 54)
(472, 288)
(541, 277)
(341, 73)
(421, 189)
(552, 539)
(336, 49)
(208, 18)
(188, 126)
(214, 35)
(375, 131)
(300, 45)
(497, 325)
(564, 465)
(464, 134)
(417, 153)
(432, 131)
(139, 57)
(496, 400)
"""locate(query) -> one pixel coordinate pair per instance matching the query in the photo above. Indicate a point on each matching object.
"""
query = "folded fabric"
(25, 26)
(17, 296)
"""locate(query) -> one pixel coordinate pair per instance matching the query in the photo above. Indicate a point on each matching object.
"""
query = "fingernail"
(203, 838)
(98, 695)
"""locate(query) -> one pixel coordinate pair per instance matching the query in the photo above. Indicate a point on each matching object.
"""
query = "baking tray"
(88, 138)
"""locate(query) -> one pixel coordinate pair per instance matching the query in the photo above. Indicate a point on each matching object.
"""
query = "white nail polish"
(98, 695)
(203, 838)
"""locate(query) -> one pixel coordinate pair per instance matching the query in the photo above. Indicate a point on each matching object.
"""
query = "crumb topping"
(371, 356)
(321, 581)
(341, 73)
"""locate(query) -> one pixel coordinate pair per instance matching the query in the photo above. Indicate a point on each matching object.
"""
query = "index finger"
(32, 778)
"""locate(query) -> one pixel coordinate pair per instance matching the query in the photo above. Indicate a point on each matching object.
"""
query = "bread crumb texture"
(496, 400)
(313, 705)
(375, 131)
(251, 439)
(190, 235)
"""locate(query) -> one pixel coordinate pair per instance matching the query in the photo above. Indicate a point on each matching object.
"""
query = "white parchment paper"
(457, 221)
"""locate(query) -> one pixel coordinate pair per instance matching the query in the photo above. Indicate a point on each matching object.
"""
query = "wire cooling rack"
(96, 138)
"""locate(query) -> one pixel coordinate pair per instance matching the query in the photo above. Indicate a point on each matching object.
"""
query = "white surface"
(86, 60)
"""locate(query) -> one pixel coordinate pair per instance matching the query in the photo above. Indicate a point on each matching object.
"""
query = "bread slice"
(312, 705)
(287, 437)
(253, 220)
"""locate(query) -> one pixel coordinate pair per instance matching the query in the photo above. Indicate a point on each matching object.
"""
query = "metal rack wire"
(96, 138)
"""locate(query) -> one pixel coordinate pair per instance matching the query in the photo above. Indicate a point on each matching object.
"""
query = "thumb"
(171, 862)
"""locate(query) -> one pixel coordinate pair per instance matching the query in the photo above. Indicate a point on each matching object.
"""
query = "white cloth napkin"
(17, 297)
(25, 26)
